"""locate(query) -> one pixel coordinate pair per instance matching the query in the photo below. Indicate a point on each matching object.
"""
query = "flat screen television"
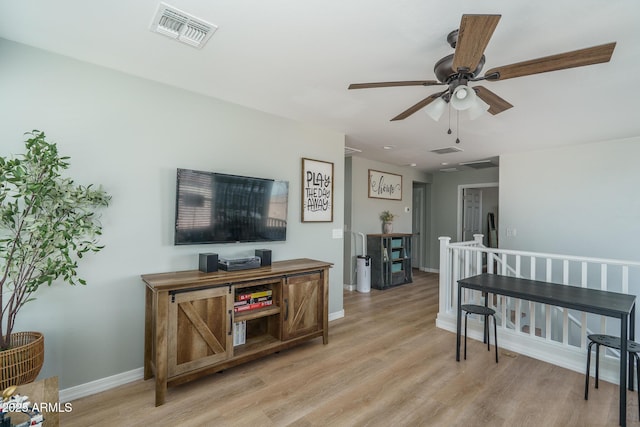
(219, 208)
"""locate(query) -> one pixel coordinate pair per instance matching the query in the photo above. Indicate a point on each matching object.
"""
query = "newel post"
(445, 272)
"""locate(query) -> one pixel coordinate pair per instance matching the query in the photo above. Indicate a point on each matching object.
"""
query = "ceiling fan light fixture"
(463, 98)
(478, 109)
(435, 110)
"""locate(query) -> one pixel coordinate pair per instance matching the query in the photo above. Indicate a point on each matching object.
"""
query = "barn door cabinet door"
(302, 300)
(199, 325)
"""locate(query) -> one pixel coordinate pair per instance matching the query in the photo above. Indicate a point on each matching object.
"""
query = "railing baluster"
(532, 274)
(504, 264)
(603, 286)
(532, 318)
(565, 327)
(490, 260)
(547, 313)
(549, 271)
(517, 315)
(455, 276)
(565, 311)
(625, 279)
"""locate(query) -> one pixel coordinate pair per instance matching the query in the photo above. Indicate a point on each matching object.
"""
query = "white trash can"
(363, 273)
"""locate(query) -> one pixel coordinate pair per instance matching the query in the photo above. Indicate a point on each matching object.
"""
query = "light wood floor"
(386, 364)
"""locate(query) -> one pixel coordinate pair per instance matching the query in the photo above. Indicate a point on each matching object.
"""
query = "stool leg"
(638, 376)
(485, 338)
(465, 335)
(495, 336)
(597, 362)
(486, 331)
(586, 381)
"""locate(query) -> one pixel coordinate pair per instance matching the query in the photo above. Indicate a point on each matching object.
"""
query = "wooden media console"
(190, 318)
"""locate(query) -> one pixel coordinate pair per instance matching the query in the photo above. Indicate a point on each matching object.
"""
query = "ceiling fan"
(465, 64)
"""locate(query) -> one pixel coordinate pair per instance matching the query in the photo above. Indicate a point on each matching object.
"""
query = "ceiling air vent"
(447, 150)
(479, 164)
(182, 26)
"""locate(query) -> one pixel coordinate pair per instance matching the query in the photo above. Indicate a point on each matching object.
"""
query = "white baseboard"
(430, 270)
(93, 387)
(337, 315)
(103, 384)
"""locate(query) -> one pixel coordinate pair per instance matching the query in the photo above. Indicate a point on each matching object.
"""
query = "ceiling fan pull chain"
(449, 131)
(457, 127)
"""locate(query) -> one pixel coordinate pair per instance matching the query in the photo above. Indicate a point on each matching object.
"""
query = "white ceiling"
(296, 58)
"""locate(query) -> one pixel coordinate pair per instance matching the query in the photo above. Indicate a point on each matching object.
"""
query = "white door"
(471, 213)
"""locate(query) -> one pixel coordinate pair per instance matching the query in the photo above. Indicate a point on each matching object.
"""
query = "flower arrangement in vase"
(387, 221)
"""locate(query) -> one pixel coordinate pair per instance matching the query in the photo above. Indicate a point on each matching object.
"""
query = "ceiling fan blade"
(473, 37)
(393, 84)
(496, 104)
(420, 105)
(561, 61)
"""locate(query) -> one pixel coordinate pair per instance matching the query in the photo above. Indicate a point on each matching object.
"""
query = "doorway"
(475, 203)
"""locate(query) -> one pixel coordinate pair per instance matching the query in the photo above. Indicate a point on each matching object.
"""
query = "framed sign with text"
(385, 185)
(317, 191)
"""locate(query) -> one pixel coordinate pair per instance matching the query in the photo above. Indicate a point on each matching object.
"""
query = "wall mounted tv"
(220, 208)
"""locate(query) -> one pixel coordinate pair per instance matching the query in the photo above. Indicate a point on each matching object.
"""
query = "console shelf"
(189, 318)
(256, 314)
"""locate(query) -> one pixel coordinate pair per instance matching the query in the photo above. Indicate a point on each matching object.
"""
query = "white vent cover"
(479, 164)
(182, 26)
(447, 150)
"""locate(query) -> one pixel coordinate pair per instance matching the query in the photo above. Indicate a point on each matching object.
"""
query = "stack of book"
(252, 298)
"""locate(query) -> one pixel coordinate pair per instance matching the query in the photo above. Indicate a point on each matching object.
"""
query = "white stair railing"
(563, 332)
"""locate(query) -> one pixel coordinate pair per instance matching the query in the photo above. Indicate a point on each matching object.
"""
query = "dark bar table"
(606, 303)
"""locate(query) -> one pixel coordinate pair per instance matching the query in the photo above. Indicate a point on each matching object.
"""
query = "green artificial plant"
(386, 216)
(46, 224)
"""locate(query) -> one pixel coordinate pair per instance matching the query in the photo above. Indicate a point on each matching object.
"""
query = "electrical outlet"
(337, 233)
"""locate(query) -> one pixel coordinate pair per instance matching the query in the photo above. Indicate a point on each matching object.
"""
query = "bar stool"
(482, 311)
(633, 348)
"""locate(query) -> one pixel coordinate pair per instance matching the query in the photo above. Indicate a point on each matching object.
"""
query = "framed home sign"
(317, 191)
(385, 185)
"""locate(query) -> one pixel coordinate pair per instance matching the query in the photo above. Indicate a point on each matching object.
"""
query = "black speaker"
(265, 256)
(208, 262)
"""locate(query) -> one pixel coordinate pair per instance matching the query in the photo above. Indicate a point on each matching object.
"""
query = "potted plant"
(47, 223)
(387, 221)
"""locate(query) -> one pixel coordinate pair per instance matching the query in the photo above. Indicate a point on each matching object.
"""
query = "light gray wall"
(444, 204)
(130, 135)
(580, 200)
(365, 211)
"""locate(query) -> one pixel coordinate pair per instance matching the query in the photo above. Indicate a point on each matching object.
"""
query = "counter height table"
(605, 303)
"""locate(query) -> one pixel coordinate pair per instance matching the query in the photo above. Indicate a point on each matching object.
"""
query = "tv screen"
(220, 208)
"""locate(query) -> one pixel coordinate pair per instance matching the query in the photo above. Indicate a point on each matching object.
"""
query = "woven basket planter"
(21, 364)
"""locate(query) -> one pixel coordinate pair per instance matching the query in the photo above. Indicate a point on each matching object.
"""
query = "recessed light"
(444, 163)
(388, 147)
(413, 165)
